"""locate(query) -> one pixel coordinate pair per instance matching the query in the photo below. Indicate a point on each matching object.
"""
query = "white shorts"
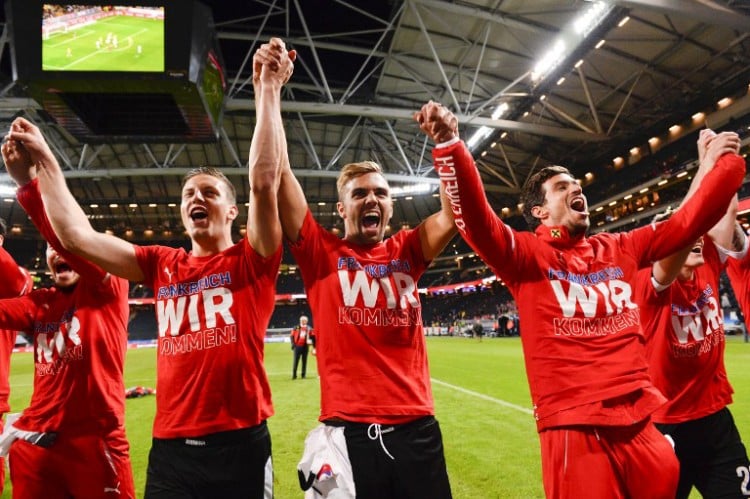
(325, 470)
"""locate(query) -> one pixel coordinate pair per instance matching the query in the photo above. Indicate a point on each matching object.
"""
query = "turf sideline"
(483, 396)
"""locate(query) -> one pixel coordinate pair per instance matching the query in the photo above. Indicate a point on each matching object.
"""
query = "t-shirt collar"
(557, 235)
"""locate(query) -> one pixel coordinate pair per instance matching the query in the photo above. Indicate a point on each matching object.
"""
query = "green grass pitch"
(77, 49)
(481, 401)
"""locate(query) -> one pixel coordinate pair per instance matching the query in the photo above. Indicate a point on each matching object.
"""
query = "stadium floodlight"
(590, 18)
(570, 38)
(410, 189)
(480, 134)
(484, 131)
(549, 61)
(500, 111)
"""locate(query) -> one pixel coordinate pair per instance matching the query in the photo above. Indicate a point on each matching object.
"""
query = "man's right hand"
(723, 143)
(437, 121)
(28, 135)
(272, 63)
(704, 139)
(18, 162)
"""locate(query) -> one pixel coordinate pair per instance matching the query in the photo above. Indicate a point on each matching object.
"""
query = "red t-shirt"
(16, 282)
(370, 344)
(580, 329)
(212, 314)
(685, 341)
(80, 340)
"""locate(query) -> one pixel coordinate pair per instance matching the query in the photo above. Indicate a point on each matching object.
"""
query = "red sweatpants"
(608, 462)
(83, 466)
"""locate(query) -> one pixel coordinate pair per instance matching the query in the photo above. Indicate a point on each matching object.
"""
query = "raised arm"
(705, 137)
(292, 202)
(68, 220)
(272, 68)
(727, 233)
(666, 270)
(695, 217)
(477, 223)
(439, 228)
(724, 233)
(292, 205)
(710, 147)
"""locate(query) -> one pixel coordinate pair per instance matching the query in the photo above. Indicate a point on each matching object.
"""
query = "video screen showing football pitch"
(111, 42)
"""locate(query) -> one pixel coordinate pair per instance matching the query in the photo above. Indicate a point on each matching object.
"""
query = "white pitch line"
(484, 397)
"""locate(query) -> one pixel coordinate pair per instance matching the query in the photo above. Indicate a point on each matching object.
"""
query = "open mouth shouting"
(578, 204)
(198, 214)
(62, 273)
(61, 267)
(371, 220)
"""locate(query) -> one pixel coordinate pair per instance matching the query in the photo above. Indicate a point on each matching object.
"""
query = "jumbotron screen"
(102, 38)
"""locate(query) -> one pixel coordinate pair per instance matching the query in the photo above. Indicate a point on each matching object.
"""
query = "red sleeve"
(18, 314)
(694, 218)
(30, 199)
(309, 245)
(15, 280)
(478, 223)
(148, 260)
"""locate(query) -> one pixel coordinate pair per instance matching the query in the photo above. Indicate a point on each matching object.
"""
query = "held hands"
(17, 161)
(437, 121)
(272, 63)
(704, 138)
(715, 146)
(23, 149)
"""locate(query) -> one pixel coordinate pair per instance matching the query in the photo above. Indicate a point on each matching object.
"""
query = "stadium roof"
(578, 83)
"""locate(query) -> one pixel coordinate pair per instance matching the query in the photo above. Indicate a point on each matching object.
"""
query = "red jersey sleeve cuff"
(26, 190)
(448, 143)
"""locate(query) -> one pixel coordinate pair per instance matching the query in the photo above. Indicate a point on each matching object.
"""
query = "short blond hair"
(354, 170)
(212, 172)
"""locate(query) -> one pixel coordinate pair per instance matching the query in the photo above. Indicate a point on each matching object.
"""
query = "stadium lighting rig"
(581, 29)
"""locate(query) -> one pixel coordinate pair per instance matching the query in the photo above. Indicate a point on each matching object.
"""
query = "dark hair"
(3, 227)
(213, 172)
(533, 193)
